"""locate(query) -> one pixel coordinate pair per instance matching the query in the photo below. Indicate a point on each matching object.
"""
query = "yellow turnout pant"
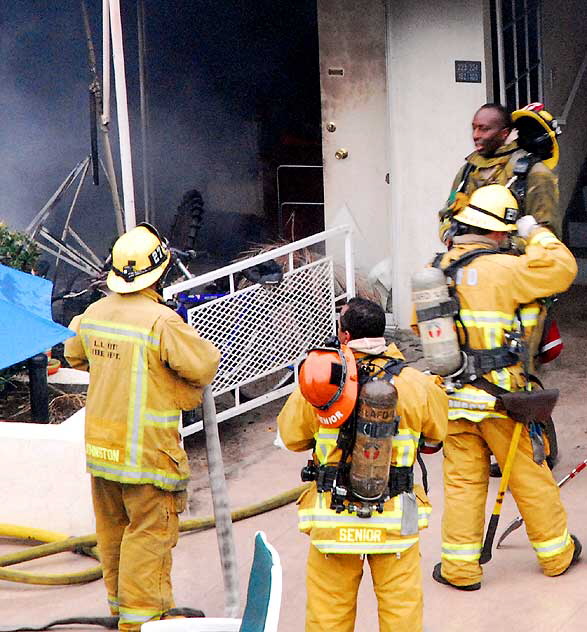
(332, 584)
(136, 527)
(467, 450)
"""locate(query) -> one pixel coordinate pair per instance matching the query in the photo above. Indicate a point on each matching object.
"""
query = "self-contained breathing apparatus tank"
(435, 312)
(362, 483)
(376, 425)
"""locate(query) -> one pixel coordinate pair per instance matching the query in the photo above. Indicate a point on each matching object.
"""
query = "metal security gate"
(263, 329)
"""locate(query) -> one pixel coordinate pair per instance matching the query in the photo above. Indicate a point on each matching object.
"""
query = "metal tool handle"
(505, 478)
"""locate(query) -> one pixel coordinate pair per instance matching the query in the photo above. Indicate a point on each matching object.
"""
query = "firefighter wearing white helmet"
(496, 294)
(344, 523)
(146, 365)
(525, 164)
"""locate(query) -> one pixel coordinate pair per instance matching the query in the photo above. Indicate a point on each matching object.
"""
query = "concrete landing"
(514, 594)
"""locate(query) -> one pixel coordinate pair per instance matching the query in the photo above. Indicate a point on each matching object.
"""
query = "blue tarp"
(26, 325)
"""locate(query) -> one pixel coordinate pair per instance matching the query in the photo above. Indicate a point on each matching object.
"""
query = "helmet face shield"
(328, 381)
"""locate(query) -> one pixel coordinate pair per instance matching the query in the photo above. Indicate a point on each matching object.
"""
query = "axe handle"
(505, 478)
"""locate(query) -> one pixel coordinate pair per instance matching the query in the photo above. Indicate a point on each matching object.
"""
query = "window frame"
(522, 73)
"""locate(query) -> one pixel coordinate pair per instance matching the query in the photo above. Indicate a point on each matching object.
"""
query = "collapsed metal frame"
(80, 256)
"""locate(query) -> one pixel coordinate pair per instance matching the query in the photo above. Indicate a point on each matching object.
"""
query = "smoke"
(224, 81)
(42, 88)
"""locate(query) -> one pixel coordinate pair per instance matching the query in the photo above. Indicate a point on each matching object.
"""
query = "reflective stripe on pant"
(136, 527)
(332, 584)
(467, 450)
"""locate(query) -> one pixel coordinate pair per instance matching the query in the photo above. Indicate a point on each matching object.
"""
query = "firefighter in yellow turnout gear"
(341, 541)
(494, 292)
(495, 162)
(145, 365)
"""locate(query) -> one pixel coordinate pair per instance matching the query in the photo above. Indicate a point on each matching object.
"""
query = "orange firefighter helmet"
(328, 381)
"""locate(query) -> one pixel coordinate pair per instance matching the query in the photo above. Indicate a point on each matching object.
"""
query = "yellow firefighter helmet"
(492, 207)
(139, 258)
(537, 132)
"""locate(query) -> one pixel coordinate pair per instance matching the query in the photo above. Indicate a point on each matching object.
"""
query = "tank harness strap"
(401, 479)
(519, 182)
(453, 267)
(442, 310)
(483, 360)
(379, 430)
(437, 259)
(489, 387)
(423, 469)
(468, 168)
(486, 360)
(368, 370)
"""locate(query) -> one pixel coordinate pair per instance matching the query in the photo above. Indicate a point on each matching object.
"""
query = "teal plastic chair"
(263, 600)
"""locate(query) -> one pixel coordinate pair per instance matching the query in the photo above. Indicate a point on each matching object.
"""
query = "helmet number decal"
(157, 256)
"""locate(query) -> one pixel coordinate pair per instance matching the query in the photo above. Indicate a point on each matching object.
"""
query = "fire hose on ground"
(58, 543)
(86, 544)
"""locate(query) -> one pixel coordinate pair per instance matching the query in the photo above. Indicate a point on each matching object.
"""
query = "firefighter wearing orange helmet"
(373, 512)
(146, 365)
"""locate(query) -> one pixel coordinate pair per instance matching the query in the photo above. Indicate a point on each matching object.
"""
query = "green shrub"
(17, 250)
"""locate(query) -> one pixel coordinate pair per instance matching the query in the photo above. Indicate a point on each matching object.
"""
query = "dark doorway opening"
(234, 96)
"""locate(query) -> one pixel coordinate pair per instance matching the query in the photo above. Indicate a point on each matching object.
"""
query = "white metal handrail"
(262, 330)
(239, 266)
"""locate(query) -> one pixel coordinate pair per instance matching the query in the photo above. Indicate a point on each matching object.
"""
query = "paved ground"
(514, 594)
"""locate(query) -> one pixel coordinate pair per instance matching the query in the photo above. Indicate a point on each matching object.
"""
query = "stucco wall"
(352, 39)
(564, 36)
(430, 119)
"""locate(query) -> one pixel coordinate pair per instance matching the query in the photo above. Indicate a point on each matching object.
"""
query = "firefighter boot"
(436, 574)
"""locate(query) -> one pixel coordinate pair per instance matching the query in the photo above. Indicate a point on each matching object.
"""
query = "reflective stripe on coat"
(145, 365)
(422, 408)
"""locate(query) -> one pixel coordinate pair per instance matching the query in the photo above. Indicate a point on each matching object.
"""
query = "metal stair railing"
(263, 329)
